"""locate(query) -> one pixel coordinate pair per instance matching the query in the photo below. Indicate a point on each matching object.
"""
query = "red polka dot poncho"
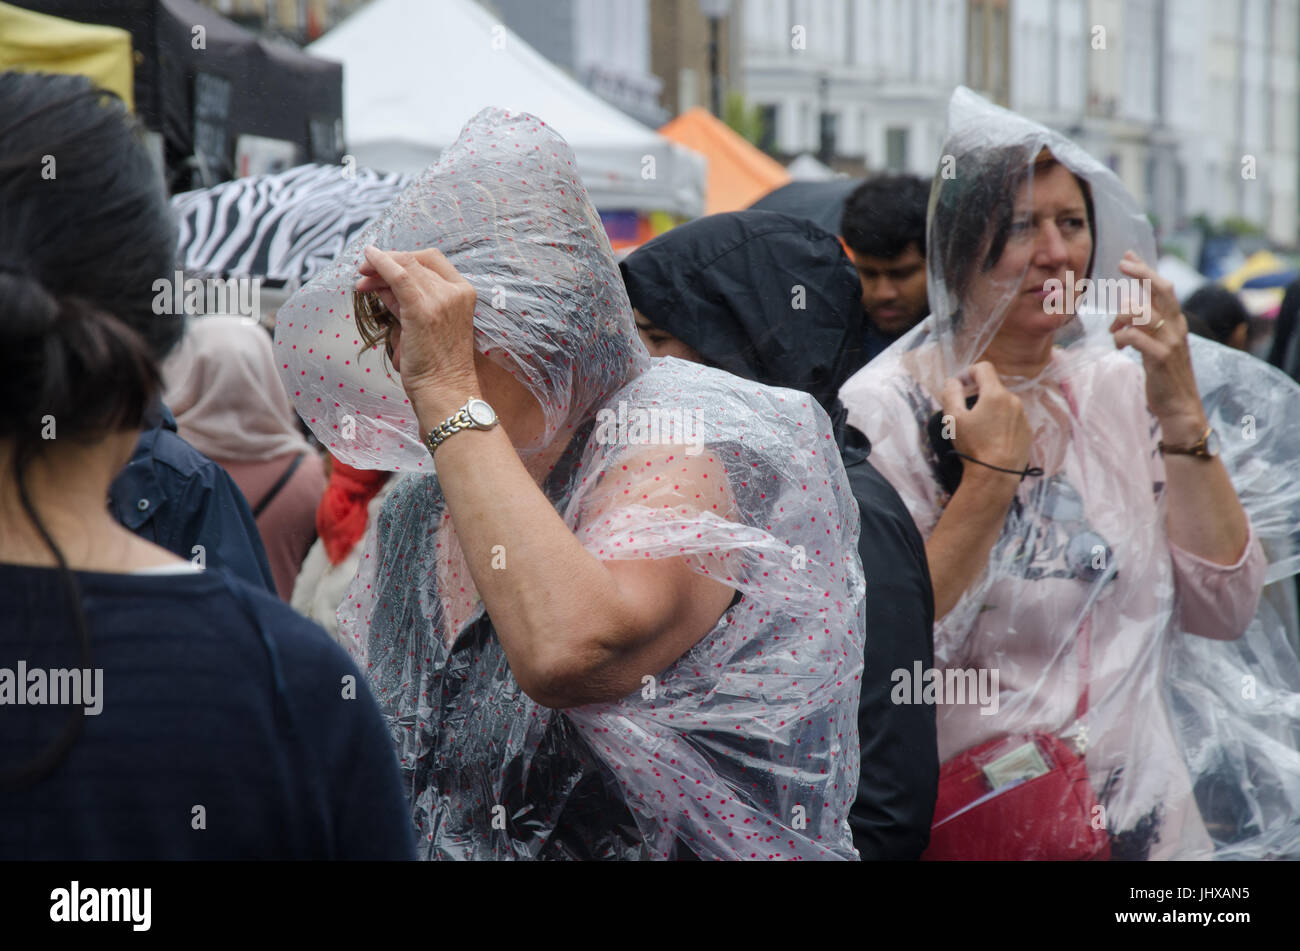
(746, 746)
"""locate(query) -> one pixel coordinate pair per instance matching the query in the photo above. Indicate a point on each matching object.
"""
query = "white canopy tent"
(414, 71)
(806, 168)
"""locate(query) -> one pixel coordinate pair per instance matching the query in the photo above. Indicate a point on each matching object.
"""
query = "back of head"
(886, 215)
(760, 294)
(1215, 312)
(85, 231)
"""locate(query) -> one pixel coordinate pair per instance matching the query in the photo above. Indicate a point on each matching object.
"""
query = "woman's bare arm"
(958, 548)
(996, 432)
(575, 629)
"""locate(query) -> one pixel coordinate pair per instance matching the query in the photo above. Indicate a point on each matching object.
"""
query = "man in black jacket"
(773, 298)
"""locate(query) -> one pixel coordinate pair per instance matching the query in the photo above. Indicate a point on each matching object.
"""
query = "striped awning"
(282, 227)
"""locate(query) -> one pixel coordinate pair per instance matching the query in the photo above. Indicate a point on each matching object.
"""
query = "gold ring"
(1158, 325)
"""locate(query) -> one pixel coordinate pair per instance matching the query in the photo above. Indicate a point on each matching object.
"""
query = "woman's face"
(661, 343)
(1049, 239)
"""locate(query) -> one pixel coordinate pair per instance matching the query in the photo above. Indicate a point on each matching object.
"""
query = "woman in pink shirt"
(1078, 518)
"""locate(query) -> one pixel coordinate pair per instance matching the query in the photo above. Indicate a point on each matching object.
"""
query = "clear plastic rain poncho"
(1190, 742)
(745, 747)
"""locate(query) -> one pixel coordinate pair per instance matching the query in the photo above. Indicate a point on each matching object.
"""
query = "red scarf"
(341, 515)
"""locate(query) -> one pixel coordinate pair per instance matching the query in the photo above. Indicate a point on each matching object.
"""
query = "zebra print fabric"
(282, 227)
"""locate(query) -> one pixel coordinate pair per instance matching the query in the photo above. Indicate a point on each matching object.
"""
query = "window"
(828, 136)
(988, 48)
(767, 118)
(896, 150)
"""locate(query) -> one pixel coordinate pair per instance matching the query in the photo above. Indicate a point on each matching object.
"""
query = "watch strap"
(1197, 448)
(452, 424)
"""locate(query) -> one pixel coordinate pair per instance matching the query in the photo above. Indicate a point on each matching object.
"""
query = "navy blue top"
(176, 497)
(874, 342)
(214, 695)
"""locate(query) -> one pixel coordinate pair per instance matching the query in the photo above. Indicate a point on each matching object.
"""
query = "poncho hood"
(760, 294)
(505, 205)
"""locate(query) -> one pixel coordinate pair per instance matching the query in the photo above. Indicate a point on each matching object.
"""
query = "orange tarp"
(739, 173)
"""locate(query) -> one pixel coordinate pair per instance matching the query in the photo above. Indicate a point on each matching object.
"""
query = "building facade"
(1193, 103)
(681, 42)
(866, 80)
(604, 44)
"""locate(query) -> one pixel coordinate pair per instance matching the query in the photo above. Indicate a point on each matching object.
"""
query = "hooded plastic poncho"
(746, 746)
(1190, 741)
(774, 298)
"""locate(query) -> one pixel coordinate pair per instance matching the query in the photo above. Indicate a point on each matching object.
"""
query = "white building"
(880, 71)
(1185, 100)
(1195, 104)
(604, 44)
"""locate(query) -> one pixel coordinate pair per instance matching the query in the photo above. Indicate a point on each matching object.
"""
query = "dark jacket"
(176, 497)
(730, 286)
(1284, 353)
(213, 694)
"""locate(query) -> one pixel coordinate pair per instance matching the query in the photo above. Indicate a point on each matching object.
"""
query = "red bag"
(1047, 817)
(1019, 797)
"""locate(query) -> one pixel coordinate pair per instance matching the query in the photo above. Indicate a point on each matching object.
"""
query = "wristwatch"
(1207, 447)
(476, 414)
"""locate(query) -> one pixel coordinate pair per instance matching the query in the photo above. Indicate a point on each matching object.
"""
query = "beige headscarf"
(221, 384)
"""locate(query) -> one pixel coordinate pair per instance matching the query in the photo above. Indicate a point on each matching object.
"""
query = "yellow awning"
(36, 42)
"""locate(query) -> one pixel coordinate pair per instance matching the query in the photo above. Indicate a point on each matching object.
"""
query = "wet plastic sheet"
(746, 747)
(1182, 762)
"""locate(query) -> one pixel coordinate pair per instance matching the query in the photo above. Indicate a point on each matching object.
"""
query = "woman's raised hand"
(434, 349)
(995, 430)
(1161, 337)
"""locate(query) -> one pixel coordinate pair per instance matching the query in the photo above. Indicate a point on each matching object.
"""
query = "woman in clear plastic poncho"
(1083, 583)
(626, 621)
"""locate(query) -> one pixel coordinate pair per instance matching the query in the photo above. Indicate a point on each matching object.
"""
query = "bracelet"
(1027, 471)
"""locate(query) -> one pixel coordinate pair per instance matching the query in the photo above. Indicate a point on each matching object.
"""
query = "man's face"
(893, 290)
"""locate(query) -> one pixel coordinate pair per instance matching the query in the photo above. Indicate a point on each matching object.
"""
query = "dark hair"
(85, 231)
(885, 215)
(1217, 310)
(979, 201)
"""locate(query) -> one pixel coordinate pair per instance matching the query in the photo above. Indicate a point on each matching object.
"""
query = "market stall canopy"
(282, 227)
(38, 43)
(416, 70)
(807, 168)
(739, 173)
(199, 76)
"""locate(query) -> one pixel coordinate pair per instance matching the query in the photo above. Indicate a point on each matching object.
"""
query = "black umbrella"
(821, 202)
